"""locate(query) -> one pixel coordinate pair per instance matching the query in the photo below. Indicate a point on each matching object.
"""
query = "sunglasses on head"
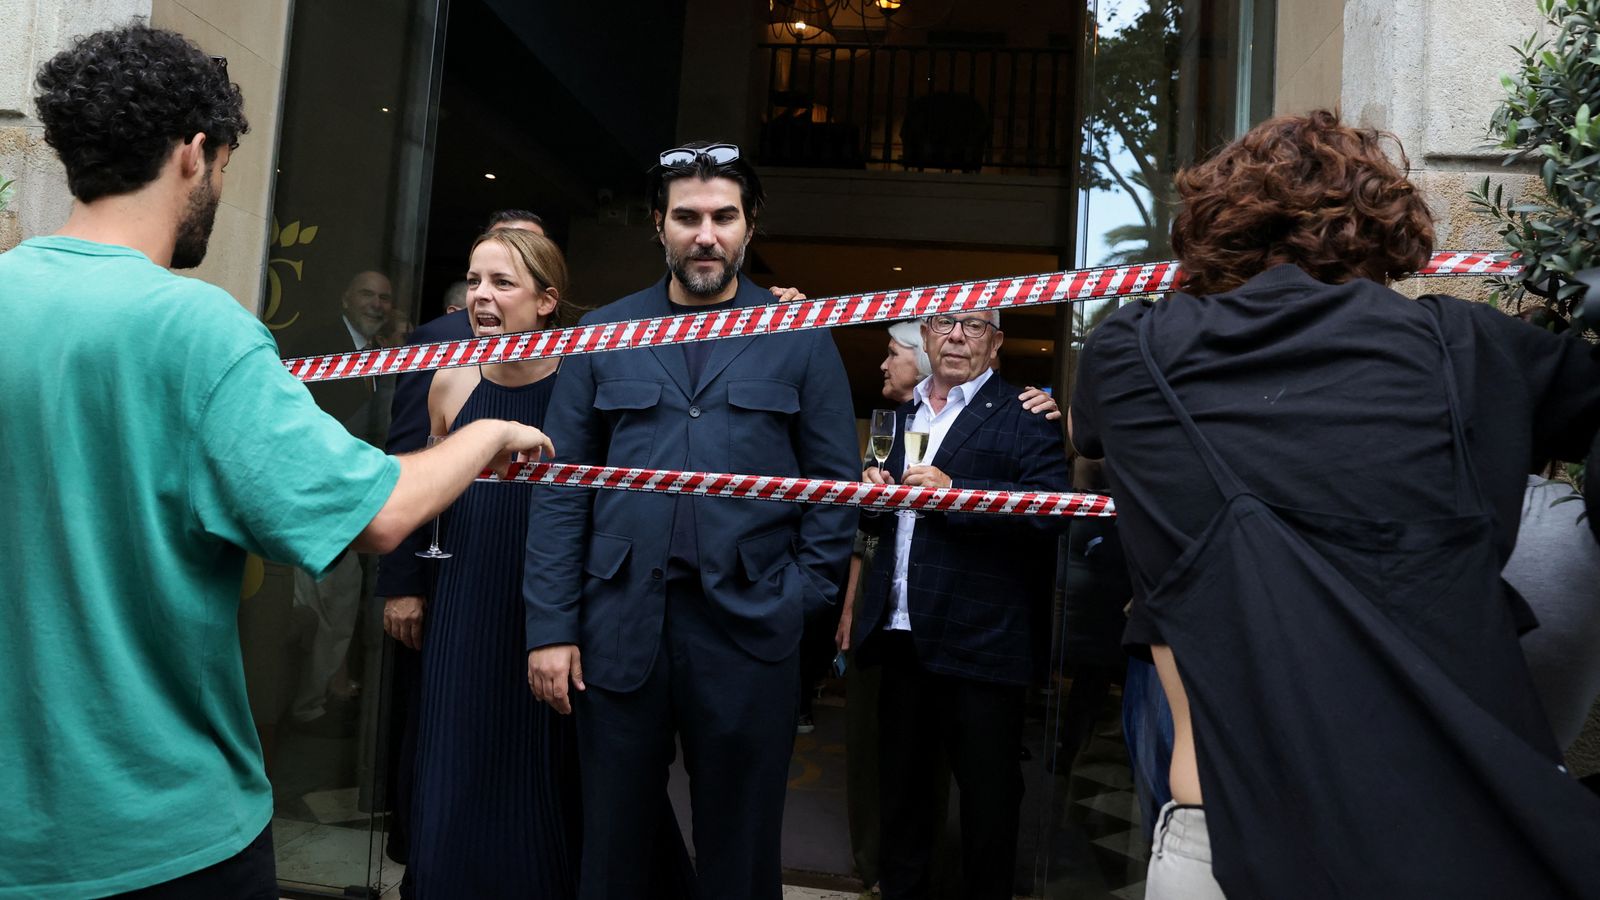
(721, 154)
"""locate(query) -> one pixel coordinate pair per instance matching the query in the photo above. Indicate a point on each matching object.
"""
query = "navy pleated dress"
(496, 810)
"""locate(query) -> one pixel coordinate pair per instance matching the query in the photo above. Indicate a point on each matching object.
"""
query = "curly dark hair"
(115, 103)
(1306, 190)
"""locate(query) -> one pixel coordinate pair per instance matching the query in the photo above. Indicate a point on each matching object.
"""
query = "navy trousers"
(735, 716)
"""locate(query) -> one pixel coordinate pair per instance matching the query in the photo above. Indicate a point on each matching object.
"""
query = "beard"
(194, 229)
(703, 284)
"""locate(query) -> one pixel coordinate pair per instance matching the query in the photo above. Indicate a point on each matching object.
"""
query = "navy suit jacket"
(401, 573)
(974, 580)
(597, 559)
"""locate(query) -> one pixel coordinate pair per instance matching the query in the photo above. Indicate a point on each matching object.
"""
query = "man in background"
(455, 297)
(323, 703)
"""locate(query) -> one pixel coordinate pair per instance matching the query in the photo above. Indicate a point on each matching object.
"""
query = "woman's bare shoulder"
(449, 392)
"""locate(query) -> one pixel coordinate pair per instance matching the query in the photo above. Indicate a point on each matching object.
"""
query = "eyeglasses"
(221, 62)
(972, 328)
(721, 154)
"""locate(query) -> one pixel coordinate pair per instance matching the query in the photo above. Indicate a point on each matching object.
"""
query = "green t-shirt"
(149, 437)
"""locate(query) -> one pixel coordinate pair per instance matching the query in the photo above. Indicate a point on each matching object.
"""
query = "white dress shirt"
(937, 425)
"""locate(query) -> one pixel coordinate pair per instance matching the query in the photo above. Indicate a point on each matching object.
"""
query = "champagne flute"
(433, 551)
(916, 448)
(882, 435)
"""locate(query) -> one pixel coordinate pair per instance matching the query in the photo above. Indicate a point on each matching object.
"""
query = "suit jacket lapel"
(724, 351)
(671, 356)
(972, 416)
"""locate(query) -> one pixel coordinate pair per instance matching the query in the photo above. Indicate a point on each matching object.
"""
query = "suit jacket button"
(694, 412)
(657, 574)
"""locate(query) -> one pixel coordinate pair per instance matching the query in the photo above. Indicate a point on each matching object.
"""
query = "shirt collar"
(964, 391)
(355, 336)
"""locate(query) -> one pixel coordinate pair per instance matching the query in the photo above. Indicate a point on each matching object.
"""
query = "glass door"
(350, 204)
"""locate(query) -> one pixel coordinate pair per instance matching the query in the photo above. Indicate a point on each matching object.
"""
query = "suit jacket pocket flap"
(626, 394)
(772, 396)
(606, 554)
(761, 554)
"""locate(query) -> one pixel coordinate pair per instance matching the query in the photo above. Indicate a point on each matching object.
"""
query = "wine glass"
(916, 447)
(881, 439)
(433, 551)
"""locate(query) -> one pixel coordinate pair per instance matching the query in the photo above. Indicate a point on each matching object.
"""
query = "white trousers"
(1180, 859)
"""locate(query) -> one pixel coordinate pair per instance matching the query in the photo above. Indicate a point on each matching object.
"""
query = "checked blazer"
(974, 580)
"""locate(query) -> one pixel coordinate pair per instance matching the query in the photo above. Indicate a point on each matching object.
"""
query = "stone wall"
(1411, 69)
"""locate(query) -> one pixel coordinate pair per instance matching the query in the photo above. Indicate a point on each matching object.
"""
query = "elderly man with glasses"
(656, 618)
(948, 610)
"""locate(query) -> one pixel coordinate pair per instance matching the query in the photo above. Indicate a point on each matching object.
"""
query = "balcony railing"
(957, 109)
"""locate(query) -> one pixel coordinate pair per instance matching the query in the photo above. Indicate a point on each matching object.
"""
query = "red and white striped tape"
(799, 315)
(810, 490)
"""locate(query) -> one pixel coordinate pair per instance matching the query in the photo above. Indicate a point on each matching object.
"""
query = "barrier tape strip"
(998, 293)
(810, 490)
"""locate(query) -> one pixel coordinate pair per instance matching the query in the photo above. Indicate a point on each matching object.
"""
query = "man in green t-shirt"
(152, 439)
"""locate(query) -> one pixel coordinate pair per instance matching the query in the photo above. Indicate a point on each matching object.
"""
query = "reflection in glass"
(341, 275)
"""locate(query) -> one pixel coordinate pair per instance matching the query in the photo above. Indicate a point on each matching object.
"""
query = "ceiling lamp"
(803, 20)
(798, 32)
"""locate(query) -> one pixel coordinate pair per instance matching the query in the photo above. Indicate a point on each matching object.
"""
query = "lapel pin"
(988, 406)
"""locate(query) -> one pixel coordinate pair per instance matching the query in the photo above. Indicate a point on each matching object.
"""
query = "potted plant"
(1550, 118)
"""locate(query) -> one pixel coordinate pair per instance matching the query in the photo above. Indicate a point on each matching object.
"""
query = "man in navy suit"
(949, 610)
(672, 616)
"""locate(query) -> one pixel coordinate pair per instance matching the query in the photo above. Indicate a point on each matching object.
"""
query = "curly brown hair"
(1306, 190)
(116, 102)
